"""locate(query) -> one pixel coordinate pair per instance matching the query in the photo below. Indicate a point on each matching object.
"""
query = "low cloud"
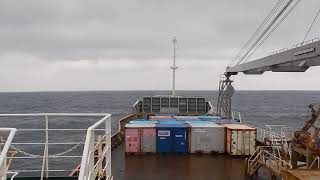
(122, 44)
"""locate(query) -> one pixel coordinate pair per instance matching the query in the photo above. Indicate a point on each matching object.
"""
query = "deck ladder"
(262, 157)
(275, 156)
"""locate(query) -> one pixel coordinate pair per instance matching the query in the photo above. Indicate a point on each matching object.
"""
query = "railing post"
(108, 145)
(47, 145)
(3, 170)
(91, 155)
(45, 163)
(4, 151)
(100, 154)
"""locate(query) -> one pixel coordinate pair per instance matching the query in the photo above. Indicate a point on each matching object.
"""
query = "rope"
(40, 156)
(314, 20)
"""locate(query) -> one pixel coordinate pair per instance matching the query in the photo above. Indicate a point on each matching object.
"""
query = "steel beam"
(297, 59)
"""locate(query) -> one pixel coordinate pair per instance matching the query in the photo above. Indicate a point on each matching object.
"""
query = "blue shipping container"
(172, 138)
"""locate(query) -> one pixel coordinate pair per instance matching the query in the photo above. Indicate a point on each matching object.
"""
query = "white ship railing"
(14, 174)
(236, 116)
(91, 170)
(296, 45)
(103, 158)
(274, 131)
(4, 151)
(278, 138)
(317, 159)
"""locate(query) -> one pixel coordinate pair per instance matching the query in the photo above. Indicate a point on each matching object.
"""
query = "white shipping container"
(240, 139)
(206, 137)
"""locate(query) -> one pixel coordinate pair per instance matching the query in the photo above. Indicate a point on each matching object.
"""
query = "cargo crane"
(298, 58)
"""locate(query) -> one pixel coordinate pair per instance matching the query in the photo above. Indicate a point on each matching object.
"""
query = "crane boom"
(297, 59)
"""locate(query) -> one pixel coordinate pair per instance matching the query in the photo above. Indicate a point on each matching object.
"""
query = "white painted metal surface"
(14, 174)
(315, 163)
(236, 116)
(4, 151)
(91, 170)
(44, 171)
(207, 138)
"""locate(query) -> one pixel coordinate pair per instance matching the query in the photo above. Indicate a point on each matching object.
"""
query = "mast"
(174, 67)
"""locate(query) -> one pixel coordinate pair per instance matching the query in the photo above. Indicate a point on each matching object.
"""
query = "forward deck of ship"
(178, 166)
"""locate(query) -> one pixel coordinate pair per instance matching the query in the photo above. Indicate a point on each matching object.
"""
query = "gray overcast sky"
(126, 44)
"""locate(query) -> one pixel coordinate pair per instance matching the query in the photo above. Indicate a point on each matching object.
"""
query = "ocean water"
(257, 108)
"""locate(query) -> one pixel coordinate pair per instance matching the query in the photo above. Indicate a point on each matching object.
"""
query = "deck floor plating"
(176, 167)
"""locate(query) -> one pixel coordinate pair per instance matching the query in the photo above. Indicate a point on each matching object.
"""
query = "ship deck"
(178, 166)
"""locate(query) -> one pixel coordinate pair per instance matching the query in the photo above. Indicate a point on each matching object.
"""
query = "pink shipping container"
(132, 140)
(140, 138)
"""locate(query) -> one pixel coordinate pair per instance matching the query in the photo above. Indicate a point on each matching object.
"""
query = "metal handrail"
(317, 159)
(279, 159)
(266, 133)
(280, 133)
(236, 116)
(258, 149)
(253, 162)
(4, 151)
(14, 174)
(45, 169)
(268, 159)
(296, 45)
(89, 169)
(271, 132)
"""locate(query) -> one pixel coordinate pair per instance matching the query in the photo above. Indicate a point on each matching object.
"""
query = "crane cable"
(273, 29)
(265, 29)
(314, 20)
(264, 32)
(270, 14)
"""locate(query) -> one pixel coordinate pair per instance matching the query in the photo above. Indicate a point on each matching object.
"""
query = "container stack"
(206, 137)
(240, 139)
(193, 134)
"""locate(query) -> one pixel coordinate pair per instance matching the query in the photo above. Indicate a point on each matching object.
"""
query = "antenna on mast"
(174, 67)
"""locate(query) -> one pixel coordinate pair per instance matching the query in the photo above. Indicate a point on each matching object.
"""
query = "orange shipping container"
(240, 139)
